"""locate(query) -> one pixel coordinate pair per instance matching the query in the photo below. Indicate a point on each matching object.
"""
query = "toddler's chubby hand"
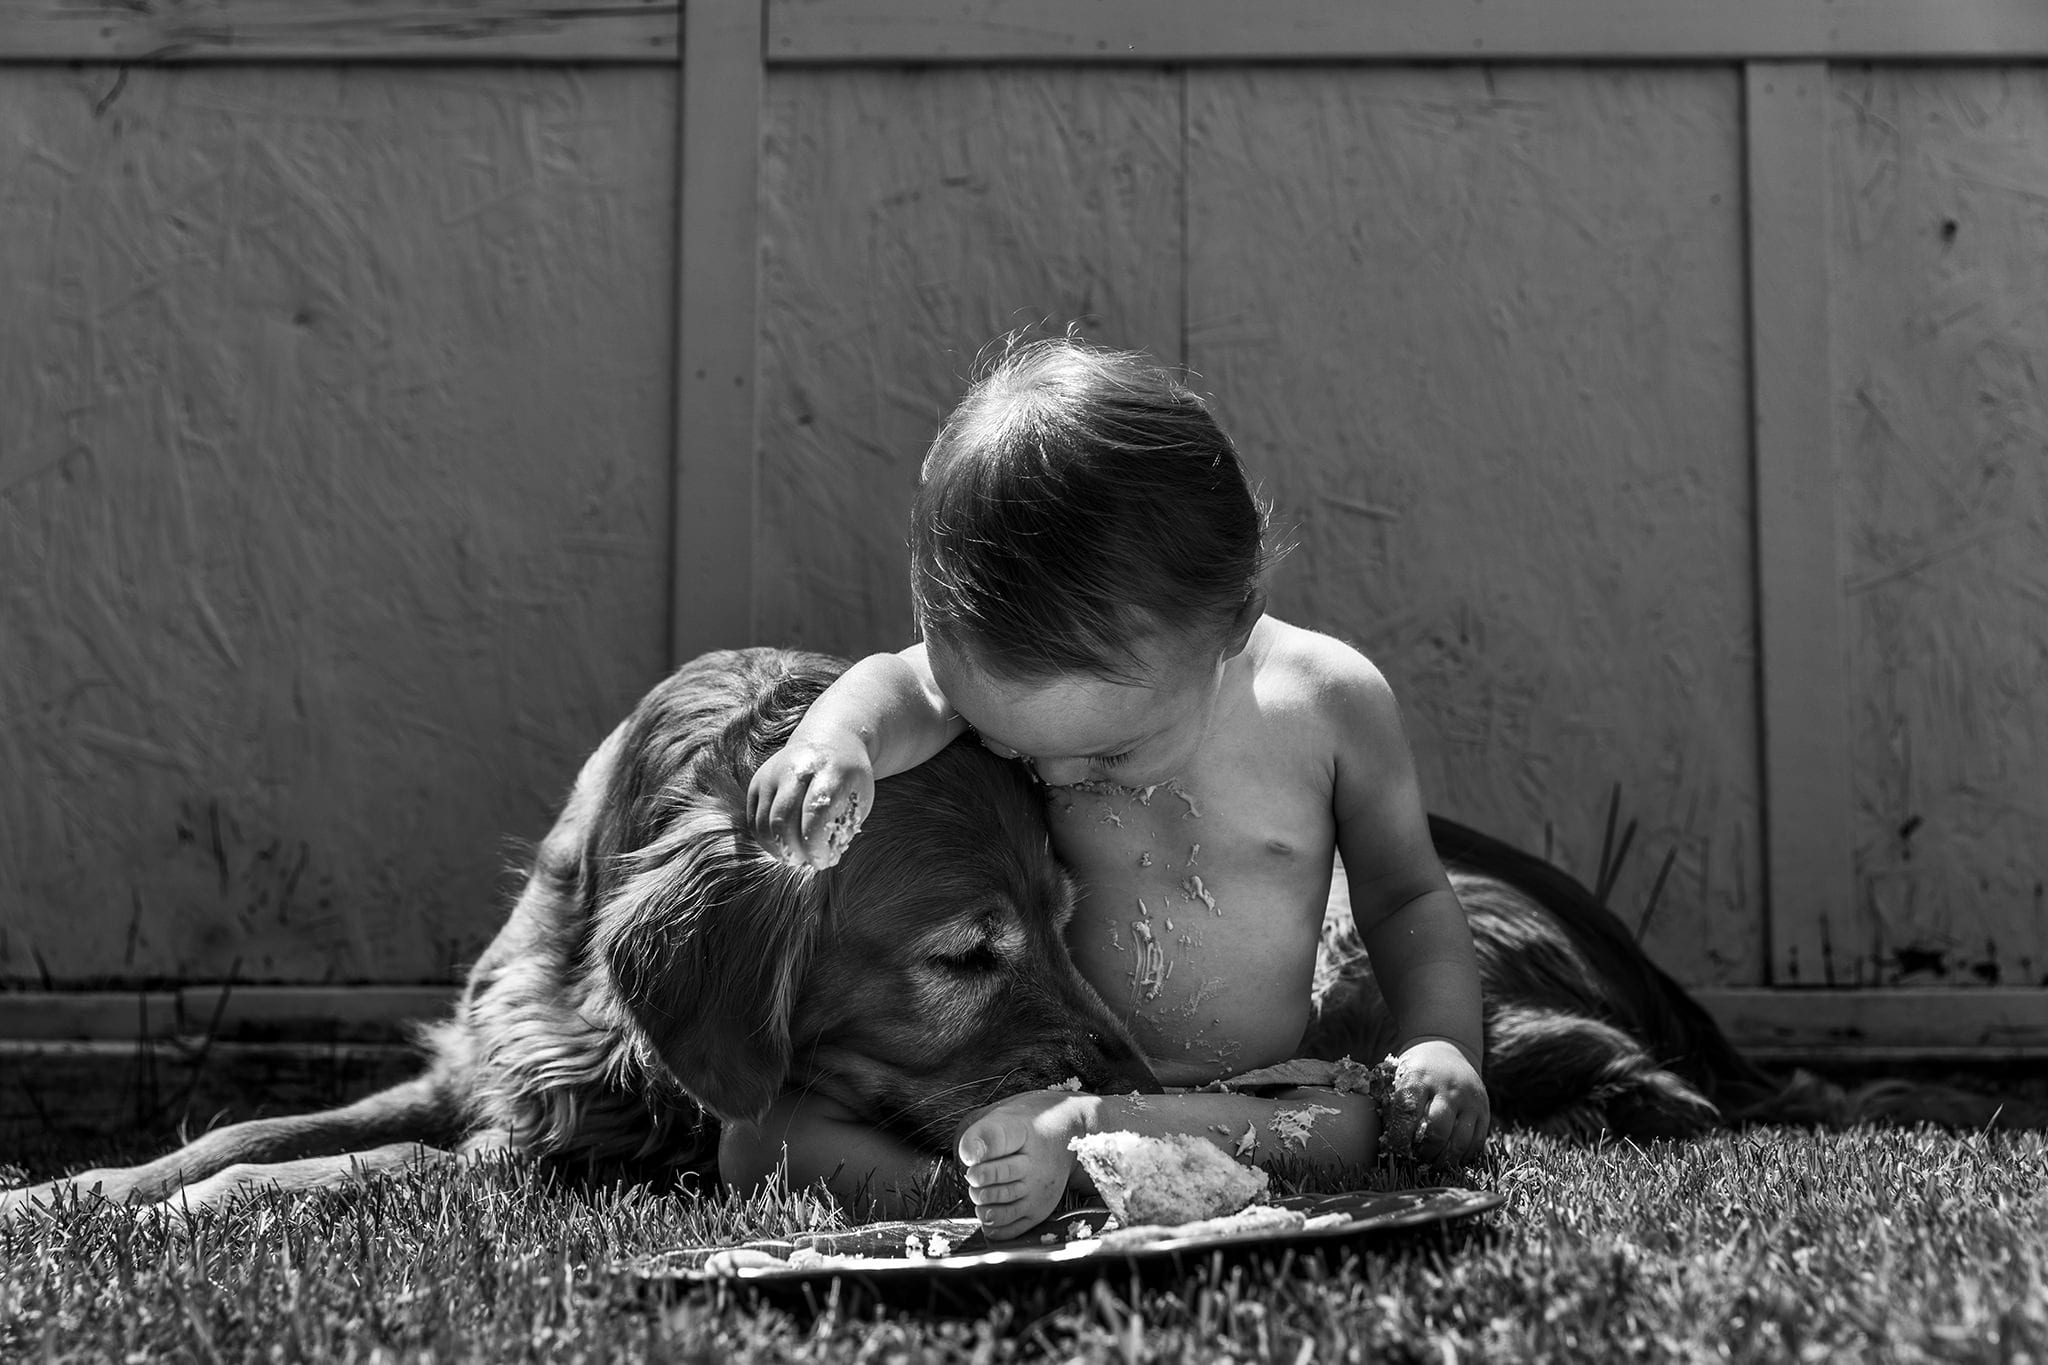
(807, 801)
(1017, 1159)
(1440, 1111)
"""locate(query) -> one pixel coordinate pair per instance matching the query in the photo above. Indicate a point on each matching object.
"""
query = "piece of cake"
(1174, 1179)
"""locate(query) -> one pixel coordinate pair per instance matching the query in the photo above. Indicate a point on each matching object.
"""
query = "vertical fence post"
(1809, 873)
(718, 276)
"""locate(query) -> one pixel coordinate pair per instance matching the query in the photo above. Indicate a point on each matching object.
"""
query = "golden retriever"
(661, 973)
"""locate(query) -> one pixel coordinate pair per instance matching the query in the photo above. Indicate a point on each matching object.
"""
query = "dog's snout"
(1127, 1070)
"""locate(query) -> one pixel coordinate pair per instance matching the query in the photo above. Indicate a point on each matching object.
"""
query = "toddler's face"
(1081, 728)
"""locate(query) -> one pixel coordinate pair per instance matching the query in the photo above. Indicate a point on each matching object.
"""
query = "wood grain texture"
(1399, 30)
(1494, 385)
(1940, 267)
(338, 30)
(912, 218)
(718, 252)
(334, 410)
(1889, 1024)
(1799, 628)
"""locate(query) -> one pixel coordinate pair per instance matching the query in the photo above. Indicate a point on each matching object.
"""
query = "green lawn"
(1765, 1244)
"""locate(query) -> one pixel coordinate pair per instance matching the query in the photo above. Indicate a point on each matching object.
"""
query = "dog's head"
(923, 977)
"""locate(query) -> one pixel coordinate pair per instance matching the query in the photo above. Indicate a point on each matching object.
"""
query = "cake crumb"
(839, 833)
(1352, 1078)
(1293, 1125)
(1249, 1141)
(1178, 1178)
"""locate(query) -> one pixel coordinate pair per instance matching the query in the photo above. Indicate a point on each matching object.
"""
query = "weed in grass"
(1765, 1244)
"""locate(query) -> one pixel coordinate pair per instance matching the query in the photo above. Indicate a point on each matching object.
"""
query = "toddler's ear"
(1247, 619)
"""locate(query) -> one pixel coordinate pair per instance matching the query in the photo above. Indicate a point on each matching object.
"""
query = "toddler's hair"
(1078, 501)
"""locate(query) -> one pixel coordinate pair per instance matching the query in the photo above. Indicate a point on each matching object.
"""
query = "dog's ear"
(706, 938)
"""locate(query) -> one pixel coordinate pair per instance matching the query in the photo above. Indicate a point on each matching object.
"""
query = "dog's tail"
(1565, 1073)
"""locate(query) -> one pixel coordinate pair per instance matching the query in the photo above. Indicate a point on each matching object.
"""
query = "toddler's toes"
(1002, 1170)
(991, 1136)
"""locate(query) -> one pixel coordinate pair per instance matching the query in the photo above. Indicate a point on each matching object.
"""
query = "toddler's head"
(1081, 514)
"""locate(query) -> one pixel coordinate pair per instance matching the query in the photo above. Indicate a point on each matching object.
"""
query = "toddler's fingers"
(785, 818)
(1465, 1141)
(1433, 1136)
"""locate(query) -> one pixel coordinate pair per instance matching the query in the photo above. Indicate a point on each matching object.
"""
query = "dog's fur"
(661, 974)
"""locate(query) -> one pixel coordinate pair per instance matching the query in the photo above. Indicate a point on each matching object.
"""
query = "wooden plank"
(355, 538)
(339, 30)
(911, 219)
(1495, 390)
(1809, 878)
(263, 1013)
(880, 31)
(1400, 30)
(181, 1085)
(1938, 176)
(716, 438)
(88, 1014)
(1898, 1023)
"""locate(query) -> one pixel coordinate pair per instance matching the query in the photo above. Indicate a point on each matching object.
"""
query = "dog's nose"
(1128, 1070)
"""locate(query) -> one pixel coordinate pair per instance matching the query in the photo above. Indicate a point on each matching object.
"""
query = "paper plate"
(882, 1252)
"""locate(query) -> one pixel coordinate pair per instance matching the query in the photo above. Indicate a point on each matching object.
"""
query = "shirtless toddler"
(1088, 567)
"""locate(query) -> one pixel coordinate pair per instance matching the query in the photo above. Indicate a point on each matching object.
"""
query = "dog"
(661, 975)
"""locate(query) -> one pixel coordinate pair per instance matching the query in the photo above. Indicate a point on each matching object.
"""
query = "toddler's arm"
(871, 1172)
(1018, 1163)
(882, 716)
(1412, 925)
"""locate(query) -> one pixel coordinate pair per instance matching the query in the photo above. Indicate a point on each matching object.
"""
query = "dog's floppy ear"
(706, 938)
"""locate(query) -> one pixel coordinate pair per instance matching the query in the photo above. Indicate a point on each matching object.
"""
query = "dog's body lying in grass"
(660, 974)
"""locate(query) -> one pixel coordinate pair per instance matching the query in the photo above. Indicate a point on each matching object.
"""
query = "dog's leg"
(307, 1173)
(423, 1110)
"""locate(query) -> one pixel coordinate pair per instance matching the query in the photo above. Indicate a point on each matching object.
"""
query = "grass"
(1764, 1244)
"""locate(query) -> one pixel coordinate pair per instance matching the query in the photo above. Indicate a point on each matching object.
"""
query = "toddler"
(1088, 564)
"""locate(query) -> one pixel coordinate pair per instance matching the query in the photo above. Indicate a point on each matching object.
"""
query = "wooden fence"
(1651, 387)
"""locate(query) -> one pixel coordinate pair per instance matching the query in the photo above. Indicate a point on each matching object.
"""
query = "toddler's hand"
(806, 802)
(1017, 1160)
(1440, 1111)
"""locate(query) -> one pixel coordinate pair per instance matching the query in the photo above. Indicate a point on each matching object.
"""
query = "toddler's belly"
(1201, 1001)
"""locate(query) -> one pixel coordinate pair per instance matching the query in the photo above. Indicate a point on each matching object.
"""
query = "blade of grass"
(1656, 891)
(1607, 843)
(220, 1006)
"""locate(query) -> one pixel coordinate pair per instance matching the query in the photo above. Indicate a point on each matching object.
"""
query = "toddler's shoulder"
(1329, 687)
(1313, 667)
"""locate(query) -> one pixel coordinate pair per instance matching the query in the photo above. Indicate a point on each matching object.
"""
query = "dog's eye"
(981, 958)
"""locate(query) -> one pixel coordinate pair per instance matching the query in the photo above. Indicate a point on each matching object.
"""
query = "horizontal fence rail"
(947, 31)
